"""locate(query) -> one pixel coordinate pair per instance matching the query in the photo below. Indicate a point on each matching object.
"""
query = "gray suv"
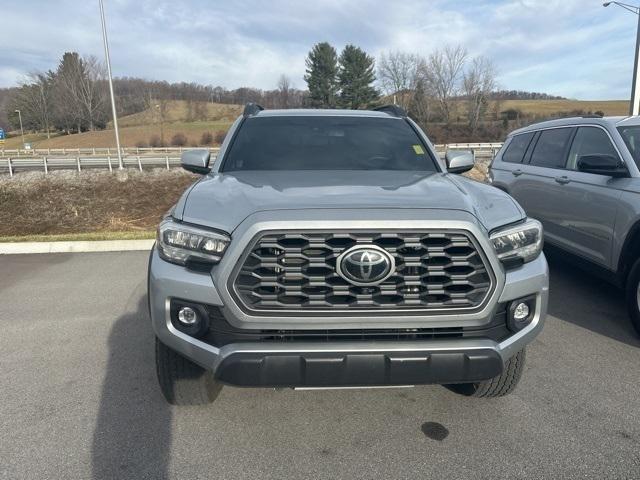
(334, 248)
(580, 178)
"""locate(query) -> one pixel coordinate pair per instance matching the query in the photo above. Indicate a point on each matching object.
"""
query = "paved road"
(78, 396)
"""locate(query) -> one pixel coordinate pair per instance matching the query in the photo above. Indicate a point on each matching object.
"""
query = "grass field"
(129, 136)
(178, 111)
(140, 127)
(549, 107)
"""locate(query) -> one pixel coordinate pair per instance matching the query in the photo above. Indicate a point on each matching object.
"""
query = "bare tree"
(80, 94)
(398, 74)
(442, 76)
(91, 92)
(478, 82)
(284, 91)
(45, 94)
(33, 98)
(422, 99)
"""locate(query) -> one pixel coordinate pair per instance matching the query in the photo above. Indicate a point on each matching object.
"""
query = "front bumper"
(352, 363)
(358, 369)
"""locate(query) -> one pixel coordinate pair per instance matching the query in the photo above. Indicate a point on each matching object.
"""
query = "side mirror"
(459, 161)
(196, 161)
(608, 165)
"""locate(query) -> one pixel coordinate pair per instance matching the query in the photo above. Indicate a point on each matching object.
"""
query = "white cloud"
(573, 48)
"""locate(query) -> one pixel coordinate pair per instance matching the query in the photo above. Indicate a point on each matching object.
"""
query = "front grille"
(435, 270)
(221, 332)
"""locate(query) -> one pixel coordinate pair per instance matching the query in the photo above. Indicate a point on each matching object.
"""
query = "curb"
(11, 248)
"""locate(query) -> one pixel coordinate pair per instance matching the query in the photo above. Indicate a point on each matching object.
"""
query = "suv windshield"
(327, 143)
(631, 137)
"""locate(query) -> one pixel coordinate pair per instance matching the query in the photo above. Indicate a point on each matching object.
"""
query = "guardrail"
(105, 158)
(21, 152)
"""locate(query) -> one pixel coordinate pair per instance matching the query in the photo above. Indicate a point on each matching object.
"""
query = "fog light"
(187, 315)
(189, 318)
(521, 312)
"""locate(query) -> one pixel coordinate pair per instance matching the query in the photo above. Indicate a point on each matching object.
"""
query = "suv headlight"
(518, 244)
(181, 243)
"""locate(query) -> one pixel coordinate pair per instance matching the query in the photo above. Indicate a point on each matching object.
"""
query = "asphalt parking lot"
(79, 399)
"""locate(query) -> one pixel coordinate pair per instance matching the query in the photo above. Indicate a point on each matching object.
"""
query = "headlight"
(518, 244)
(180, 243)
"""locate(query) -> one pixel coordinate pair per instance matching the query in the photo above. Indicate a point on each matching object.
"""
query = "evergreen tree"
(355, 78)
(322, 67)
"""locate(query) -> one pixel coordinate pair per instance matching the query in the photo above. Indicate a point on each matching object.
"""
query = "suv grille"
(435, 270)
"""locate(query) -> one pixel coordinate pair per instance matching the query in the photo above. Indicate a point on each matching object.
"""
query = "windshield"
(631, 137)
(327, 143)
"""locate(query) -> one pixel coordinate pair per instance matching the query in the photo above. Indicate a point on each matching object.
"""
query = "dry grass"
(72, 203)
(549, 107)
(140, 127)
(553, 107)
(15, 141)
(177, 111)
(130, 136)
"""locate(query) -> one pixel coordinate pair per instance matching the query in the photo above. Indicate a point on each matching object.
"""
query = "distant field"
(129, 136)
(140, 127)
(178, 111)
(548, 107)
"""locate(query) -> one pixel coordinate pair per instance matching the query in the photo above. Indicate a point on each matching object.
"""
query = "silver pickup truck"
(334, 248)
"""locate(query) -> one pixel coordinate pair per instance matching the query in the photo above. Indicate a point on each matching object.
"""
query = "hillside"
(178, 111)
(140, 127)
(549, 107)
(137, 129)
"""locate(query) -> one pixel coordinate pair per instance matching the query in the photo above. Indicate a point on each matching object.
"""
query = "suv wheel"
(183, 382)
(633, 295)
(503, 384)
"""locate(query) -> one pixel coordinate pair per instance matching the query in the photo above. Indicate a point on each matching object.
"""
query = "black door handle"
(562, 180)
(516, 173)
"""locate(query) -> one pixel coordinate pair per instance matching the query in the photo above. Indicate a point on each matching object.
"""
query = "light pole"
(634, 108)
(113, 102)
(21, 129)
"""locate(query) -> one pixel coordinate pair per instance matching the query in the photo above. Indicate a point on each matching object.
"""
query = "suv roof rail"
(592, 115)
(251, 109)
(393, 110)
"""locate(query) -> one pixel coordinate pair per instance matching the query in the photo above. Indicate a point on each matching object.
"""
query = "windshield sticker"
(418, 149)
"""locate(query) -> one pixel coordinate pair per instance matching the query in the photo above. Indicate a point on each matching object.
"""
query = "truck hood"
(223, 201)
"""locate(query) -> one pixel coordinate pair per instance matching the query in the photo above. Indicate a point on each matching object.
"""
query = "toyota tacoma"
(334, 248)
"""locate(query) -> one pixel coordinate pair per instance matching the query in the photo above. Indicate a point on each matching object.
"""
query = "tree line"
(445, 87)
(68, 99)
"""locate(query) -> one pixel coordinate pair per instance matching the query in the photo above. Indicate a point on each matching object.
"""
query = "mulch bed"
(70, 202)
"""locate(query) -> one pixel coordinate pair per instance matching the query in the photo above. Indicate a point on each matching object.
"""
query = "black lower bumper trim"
(320, 369)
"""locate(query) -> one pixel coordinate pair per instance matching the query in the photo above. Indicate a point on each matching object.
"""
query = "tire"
(183, 382)
(633, 295)
(499, 386)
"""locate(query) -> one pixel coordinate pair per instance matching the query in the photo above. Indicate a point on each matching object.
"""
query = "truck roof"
(322, 113)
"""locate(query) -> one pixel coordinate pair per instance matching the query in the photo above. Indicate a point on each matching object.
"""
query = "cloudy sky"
(574, 48)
